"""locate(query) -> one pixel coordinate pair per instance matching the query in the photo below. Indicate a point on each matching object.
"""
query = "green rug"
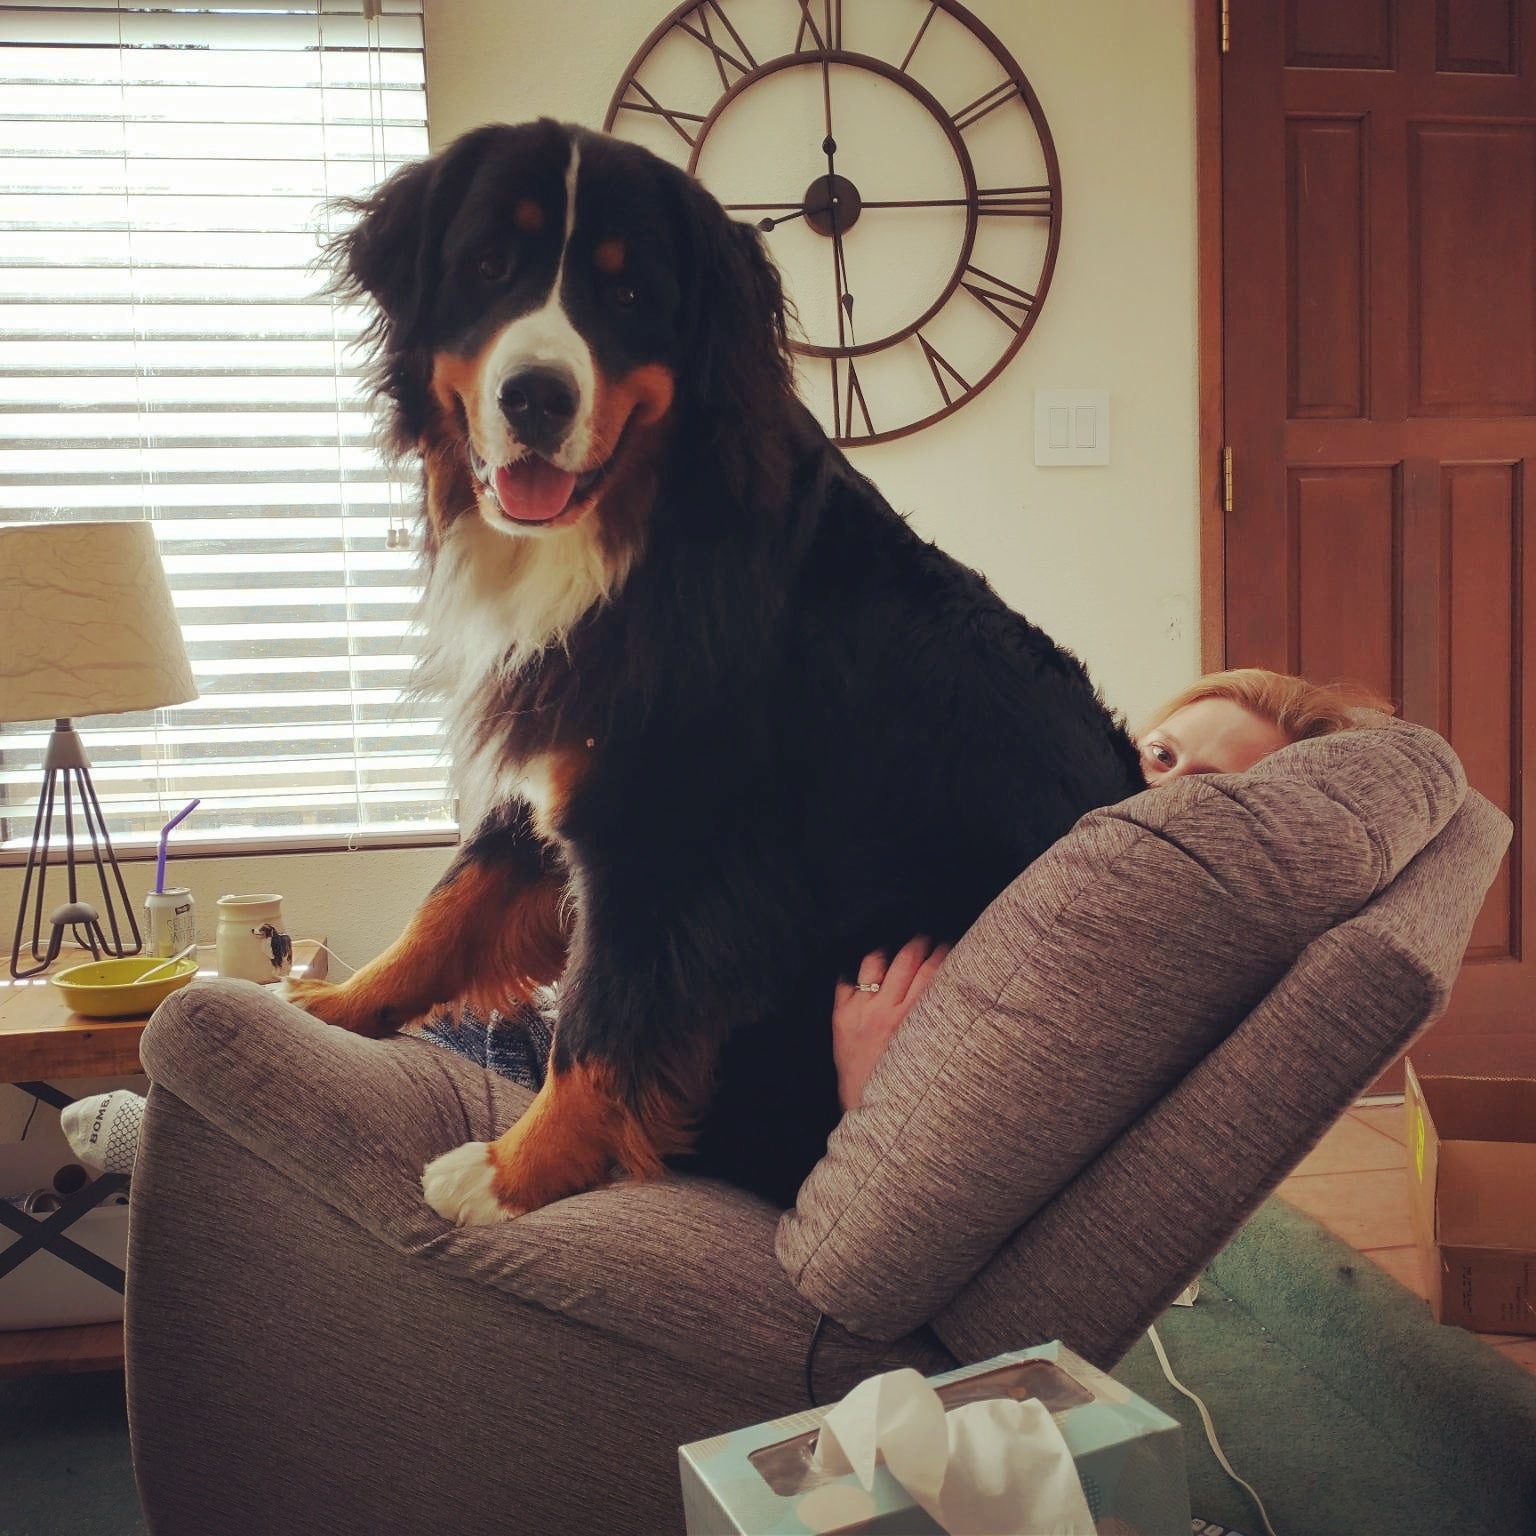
(1337, 1396)
(64, 1463)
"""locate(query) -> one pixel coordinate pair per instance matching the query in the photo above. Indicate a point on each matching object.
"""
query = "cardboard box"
(1128, 1454)
(1472, 1190)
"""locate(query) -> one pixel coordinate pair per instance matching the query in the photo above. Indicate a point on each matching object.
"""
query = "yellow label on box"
(1418, 1141)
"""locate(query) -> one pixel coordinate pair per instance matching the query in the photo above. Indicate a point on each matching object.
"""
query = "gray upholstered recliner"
(311, 1350)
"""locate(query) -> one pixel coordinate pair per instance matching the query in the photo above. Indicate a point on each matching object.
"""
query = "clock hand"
(799, 213)
(827, 205)
(845, 335)
(828, 144)
(826, 100)
(845, 299)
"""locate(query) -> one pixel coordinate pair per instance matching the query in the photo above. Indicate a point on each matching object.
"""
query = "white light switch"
(1071, 426)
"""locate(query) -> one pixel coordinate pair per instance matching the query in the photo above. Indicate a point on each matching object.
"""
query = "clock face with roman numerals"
(901, 169)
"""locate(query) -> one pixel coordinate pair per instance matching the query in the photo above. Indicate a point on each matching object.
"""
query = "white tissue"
(979, 1469)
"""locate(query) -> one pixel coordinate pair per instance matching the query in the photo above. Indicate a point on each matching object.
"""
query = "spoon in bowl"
(155, 970)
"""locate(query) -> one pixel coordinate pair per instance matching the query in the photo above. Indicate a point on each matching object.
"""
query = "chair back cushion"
(1096, 982)
(1112, 1250)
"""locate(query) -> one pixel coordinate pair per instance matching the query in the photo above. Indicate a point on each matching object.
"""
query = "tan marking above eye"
(528, 216)
(609, 257)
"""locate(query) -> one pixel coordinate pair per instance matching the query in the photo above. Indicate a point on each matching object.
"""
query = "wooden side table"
(41, 1039)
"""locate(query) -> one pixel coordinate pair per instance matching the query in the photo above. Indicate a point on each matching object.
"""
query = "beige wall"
(1105, 559)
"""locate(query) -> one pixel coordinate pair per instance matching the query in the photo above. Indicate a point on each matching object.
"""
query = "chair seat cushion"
(1086, 992)
(661, 1265)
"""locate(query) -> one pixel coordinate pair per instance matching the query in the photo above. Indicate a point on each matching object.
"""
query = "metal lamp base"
(65, 763)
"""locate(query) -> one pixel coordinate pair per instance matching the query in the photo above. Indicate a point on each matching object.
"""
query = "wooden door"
(1379, 322)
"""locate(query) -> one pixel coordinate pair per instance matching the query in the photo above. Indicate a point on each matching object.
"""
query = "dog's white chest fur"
(492, 604)
(485, 779)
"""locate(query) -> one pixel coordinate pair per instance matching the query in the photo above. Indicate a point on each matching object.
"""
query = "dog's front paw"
(295, 991)
(336, 1003)
(461, 1186)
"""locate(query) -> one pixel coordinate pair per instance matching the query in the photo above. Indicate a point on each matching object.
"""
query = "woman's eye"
(624, 296)
(1159, 754)
(494, 269)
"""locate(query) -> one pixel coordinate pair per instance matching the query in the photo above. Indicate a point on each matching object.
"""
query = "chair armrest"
(666, 1265)
(351, 1119)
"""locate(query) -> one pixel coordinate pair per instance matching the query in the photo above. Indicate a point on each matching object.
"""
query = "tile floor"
(1355, 1184)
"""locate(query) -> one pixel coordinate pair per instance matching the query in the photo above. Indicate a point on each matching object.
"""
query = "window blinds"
(164, 353)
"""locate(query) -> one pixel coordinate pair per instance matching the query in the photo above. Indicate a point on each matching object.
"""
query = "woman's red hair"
(1297, 708)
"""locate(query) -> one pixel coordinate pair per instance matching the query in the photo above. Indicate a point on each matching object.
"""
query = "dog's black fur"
(814, 732)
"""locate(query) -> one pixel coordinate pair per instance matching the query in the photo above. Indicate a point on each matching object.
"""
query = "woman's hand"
(863, 1021)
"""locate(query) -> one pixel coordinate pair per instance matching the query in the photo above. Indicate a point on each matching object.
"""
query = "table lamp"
(87, 627)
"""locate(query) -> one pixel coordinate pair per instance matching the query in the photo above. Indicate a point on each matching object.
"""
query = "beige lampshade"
(87, 626)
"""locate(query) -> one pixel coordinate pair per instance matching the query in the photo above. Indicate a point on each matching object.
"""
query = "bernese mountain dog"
(721, 722)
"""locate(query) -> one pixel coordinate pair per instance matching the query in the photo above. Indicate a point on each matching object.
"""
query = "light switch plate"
(1071, 426)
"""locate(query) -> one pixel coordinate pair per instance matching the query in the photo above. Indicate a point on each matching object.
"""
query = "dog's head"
(553, 305)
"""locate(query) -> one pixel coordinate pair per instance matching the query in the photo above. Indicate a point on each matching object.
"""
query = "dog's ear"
(381, 255)
(738, 347)
(392, 255)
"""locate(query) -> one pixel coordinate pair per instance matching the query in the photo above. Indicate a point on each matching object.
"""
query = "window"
(165, 353)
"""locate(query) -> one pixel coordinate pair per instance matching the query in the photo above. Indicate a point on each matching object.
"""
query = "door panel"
(1323, 34)
(1329, 356)
(1472, 317)
(1379, 325)
(1343, 621)
(1477, 37)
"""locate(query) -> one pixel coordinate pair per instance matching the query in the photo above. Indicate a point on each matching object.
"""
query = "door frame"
(1211, 274)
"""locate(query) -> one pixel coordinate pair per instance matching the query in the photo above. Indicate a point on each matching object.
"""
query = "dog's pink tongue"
(533, 491)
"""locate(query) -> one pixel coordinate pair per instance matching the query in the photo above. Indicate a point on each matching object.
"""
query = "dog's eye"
(494, 268)
(624, 296)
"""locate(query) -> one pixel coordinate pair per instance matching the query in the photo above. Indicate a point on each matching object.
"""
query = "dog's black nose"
(540, 404)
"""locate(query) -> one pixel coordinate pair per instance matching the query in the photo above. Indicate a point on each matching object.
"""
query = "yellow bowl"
(110, 989)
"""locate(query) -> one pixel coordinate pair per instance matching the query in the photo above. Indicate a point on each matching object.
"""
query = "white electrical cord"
(321, 944)
(1210, 1428)
(318, 943)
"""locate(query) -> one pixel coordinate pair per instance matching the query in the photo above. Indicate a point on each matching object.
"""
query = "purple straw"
(165, 833)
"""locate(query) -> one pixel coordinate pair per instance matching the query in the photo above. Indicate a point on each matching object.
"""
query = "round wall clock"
(900, 166)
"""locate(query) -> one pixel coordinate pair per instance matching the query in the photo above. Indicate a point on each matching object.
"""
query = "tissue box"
(1128, 1454)
(1472, 1196)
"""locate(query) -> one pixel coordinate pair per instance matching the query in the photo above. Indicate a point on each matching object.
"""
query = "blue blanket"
(514, 1044)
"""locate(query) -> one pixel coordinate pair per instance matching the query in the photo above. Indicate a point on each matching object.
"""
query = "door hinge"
(1226, 479)
(1226, 26)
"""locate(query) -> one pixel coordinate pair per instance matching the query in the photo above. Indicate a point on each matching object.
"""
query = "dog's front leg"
(578, 1130)
(490, 931)
(643, 1008)
(583, 1124)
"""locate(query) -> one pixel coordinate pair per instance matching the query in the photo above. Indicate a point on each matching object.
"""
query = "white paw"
(284, 990)
(460, 1186)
